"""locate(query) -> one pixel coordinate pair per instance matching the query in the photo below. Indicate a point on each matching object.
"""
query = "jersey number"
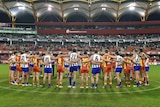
(96, 58)
(46, 59)
(73, 57)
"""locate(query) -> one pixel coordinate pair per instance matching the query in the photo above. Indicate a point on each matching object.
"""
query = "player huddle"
(135, 66)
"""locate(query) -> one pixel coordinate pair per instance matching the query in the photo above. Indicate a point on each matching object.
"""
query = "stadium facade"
(61, 25)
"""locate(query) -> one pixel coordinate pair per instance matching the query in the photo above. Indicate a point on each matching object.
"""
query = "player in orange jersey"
(36, 69)
(142, 64)
(95, 60)
(107, 69)
(84, 70)
(127, 69)
(60, 70)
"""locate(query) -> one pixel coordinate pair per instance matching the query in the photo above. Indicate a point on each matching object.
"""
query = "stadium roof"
(89, 9)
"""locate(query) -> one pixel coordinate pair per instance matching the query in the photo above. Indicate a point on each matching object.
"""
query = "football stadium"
(79, 53)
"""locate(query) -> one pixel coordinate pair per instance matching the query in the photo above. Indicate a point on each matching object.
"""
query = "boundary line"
(137, 91)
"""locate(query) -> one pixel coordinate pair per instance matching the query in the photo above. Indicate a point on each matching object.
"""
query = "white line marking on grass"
(3, 80)
(31, 91)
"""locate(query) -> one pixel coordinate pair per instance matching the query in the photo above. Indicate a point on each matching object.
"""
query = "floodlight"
(132, 8)
(103, 8)
(75, 8)
(49, 8)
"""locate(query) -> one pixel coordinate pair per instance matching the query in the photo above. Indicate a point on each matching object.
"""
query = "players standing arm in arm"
(107, 69)
(119, 62)
(47, 61)
(136, 61)
(95, 60)
(12, 65)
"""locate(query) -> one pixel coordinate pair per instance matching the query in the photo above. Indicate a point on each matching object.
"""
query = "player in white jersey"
(12, 64)
(31, 64)
(136, 61)
(25, 67)
(95, 60)
(146, 71)
(119, 62)
(47, 62)
(66, 66)
(79, 67)
(73, 58)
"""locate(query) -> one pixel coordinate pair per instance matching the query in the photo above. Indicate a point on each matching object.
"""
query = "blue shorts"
(41, 65)
(73, 68)
(53, 63)
(79, 66)
(25, 69)
(47, 70)
(118, 70)
(66, 66)
(137, 68)
(96, 70)
(13, 68)
(31, 65)
(146, 69)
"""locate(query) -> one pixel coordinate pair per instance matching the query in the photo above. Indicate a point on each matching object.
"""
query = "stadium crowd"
(152, 45)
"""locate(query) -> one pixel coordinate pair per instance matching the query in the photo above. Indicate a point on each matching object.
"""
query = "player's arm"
(146, 56)
(24, 62)
(9, 60)
(30, 56)
(112, 56)
(54, 58)
(65, 60)
(79, 56)
(89, 60)
(75, 61)
(38, 57)
(46, 63)
(97, 62)
(103, 58)
(132, 58)
(64, 55)
(124, 61)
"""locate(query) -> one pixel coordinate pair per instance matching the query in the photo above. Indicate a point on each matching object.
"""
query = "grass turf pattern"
(18, 96)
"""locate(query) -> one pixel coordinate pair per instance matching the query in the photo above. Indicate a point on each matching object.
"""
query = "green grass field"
(18, 96)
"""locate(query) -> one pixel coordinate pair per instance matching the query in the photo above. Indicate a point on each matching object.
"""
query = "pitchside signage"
(18, 32)
(75, 31)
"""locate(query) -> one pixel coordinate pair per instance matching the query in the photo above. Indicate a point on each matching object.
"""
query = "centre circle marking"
(31, 91)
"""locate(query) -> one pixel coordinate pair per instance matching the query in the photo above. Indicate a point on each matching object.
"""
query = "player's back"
(96, 57)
